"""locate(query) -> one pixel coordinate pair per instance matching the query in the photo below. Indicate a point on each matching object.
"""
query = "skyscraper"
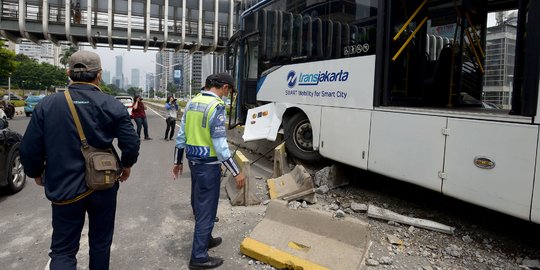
(119, 76)
(106, 76)
(135, 74)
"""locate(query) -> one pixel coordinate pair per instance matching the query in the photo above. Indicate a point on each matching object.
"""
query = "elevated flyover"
(196, 25)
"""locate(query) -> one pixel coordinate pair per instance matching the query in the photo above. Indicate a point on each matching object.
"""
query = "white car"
(127, 101)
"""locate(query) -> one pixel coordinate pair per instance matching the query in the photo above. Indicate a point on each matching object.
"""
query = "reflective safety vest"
(197, 126)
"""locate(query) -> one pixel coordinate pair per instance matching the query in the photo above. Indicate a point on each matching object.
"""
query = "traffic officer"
(203, 136)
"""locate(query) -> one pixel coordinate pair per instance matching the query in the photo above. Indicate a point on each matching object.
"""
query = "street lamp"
(153, 75)
(9, 87)
(166, 72)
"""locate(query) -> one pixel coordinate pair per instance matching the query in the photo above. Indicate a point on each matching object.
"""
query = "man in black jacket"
(50, 153)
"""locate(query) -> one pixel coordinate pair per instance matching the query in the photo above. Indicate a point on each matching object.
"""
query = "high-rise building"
(44, 53)
(212, 63)
(135, 77)
(170, 67)
(196, 71)
(106, 76)
(500, 56)
(119, 76)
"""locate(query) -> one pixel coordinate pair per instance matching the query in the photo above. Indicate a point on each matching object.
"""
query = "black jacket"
(51, 144)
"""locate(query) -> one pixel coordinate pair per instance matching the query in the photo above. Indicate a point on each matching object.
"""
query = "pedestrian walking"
(138, 113)
(203, 137)
(51, 153)
(172, 110)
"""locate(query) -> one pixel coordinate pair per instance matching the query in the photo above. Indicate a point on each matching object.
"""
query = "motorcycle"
(8, 109)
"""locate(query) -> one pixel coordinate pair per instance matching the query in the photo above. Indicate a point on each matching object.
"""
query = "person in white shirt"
(172, 109)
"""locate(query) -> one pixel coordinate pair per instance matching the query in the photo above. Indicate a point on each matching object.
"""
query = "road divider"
(307, 238)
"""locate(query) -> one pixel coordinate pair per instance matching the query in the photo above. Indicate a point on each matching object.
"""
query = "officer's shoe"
(214, 242)
(212, 262)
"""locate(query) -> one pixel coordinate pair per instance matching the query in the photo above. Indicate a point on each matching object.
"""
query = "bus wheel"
(299, 138)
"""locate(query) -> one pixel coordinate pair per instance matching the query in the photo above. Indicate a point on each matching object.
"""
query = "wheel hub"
(303, 136)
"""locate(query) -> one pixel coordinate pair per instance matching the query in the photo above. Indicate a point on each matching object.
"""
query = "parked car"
(30, 103)
(13, 97)
(7, 108)
(127, 101)
(12, 176)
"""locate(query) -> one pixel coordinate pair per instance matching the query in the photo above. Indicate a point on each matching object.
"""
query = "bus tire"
(299, 138)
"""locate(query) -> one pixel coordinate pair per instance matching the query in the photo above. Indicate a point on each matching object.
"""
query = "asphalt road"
(154, 224)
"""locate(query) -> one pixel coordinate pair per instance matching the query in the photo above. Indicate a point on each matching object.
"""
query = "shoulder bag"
(102, 166)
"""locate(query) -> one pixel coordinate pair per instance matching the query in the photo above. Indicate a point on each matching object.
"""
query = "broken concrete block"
(295, 182)
(381, 213)
(246, 195)
(331, 177)
(281, 166)
(359, 207)
(394, 240)
(322, 189)
(307, 238)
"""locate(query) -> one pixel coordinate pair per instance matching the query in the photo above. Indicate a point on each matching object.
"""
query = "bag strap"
(76, 119)
(84, 143)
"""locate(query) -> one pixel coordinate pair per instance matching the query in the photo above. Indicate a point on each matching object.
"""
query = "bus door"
(242, 57)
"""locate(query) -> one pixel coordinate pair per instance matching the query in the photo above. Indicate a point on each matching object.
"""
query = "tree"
(114, 89)
(106, 89)
(66, 54)
(134, 91)
(38, 76)
(171, 89)
(8, 64)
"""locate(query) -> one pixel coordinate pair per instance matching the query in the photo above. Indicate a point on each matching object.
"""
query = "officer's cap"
(84, 61)
(221, 78)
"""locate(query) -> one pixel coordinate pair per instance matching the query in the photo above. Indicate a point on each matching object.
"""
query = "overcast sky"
(135, 58)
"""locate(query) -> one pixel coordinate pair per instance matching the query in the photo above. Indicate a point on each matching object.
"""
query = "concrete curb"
(307, 238)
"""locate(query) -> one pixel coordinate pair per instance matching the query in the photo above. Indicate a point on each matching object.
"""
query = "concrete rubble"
(304, 238)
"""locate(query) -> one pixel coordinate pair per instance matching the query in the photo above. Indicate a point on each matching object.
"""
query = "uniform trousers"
(68, 221)
(205, 188)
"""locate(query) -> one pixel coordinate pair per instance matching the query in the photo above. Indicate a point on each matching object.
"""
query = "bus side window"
(345, 37)
(286, 35)
(262, 30)
(328, 38)
(270, 35)
(297, 36)
(307, 37)
(317, 43)
(336, 41)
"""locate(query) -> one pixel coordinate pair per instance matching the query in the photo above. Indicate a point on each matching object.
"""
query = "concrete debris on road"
(381, 213)
(307, 239)
(331, 177)
(281, 166)
(394, 240)
(246, 195)
(295, 185)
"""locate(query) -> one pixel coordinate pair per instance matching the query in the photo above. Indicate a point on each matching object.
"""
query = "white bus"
(401, 88)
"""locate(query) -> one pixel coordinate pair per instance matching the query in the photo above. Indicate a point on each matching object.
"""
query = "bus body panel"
(346, 83)
(503, 180)
(536, 118)
(345, 135)
(263, 123)
(535, 207)
(407, 147)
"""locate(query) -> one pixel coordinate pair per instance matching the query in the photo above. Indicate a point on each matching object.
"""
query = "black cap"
(221, 78)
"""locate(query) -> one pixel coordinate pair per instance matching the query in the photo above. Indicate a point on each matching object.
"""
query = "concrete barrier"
(307, 239)
(297, 181)
(246, 195)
